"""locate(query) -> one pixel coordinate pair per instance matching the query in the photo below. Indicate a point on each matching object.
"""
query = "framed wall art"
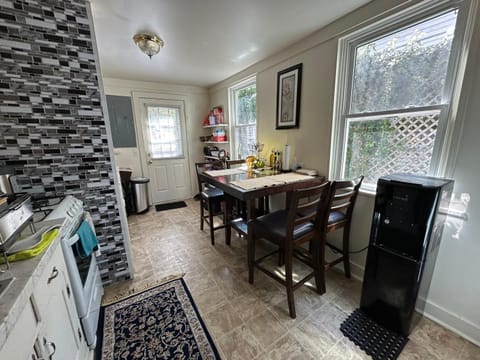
(289, 85)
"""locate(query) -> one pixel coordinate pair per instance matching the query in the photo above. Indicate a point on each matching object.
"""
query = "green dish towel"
(88, 240)
(40, 247)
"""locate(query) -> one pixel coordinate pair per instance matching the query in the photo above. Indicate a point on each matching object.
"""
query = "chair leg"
(346, 249)
(250, 254)
(281, 257)
(289, 282)
(211, 225)
(318, 255)
(227, 217)
(202, 214)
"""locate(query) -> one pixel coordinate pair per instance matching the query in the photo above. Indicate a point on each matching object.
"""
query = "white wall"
(454, 296)
(455, 289)
(196, 109)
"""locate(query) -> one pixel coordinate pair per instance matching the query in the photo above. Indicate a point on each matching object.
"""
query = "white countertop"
(26, 274)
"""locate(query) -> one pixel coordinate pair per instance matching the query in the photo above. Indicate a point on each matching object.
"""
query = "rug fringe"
(151, 284)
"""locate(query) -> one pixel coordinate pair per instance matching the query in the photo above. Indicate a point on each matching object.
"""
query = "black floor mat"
(174, 205)
(377, 341)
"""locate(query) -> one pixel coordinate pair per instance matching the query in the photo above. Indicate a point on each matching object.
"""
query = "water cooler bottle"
(404, 241)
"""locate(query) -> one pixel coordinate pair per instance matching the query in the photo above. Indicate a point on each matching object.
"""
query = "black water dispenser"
(407, 226)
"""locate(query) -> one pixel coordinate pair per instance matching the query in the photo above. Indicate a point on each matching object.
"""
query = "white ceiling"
(206, 41)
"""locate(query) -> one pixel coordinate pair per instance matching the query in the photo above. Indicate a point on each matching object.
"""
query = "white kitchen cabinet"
(49, 327)
(61, 334)
(21, 341)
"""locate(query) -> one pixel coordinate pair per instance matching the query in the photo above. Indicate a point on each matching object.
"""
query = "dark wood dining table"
(249, 196)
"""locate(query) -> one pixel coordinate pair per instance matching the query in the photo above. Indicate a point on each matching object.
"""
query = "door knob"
(150, 162)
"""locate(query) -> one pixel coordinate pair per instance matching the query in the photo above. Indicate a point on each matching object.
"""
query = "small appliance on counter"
(6, 184)
(15, 215)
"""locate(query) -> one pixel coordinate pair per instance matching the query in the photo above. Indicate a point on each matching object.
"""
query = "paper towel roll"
(286, 158)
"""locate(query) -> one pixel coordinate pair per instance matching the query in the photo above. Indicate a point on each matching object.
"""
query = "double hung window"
(395, 85)
(243, 105)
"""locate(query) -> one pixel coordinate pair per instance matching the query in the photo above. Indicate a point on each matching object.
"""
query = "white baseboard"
(451, 321)
(436, 313)
(356, 271)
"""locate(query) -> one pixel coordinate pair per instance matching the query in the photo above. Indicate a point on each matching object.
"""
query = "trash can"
(125, 176)
(139, 188)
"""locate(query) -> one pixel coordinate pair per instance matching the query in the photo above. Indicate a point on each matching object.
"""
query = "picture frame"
(289, 86)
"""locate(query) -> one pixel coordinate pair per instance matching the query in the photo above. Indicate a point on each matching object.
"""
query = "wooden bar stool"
(211, 201)
(288, 229)
(341, 202)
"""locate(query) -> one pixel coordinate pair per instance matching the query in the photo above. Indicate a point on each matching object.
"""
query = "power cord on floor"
(350, 252)
(358, 251)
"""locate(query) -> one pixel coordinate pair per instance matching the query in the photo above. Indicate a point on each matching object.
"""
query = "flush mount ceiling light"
(148, 43)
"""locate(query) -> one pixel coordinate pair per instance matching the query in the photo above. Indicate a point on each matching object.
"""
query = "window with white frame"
(243, 115)
(395, 85)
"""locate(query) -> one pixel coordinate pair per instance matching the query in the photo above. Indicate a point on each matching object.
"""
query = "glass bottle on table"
(278, 162)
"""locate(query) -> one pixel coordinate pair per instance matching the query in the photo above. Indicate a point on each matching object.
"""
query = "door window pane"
(165, 132)
(405, 69)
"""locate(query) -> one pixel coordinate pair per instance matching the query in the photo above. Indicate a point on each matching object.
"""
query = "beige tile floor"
(251, 321)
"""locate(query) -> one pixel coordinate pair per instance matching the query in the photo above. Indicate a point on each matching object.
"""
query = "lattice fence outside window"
(402, 143)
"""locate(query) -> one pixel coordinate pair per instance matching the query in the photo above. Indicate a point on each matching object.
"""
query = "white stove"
(83, 273)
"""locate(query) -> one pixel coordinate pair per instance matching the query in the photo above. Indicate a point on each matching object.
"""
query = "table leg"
(228, 218)
(251, 211)
(288, 198)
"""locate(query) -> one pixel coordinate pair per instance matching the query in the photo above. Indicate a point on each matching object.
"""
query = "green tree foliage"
(247, 105)
(399, 77)
(246, 112)
(367, 142)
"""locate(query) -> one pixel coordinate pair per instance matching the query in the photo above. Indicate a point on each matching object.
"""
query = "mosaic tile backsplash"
(53, 134)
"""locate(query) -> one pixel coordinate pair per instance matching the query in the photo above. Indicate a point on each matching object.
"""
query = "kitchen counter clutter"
(37, 310)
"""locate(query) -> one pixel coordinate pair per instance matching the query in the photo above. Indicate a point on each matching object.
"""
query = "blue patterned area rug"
(161, 322)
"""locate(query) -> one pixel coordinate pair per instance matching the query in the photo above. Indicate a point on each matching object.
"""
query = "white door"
(165, 149)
